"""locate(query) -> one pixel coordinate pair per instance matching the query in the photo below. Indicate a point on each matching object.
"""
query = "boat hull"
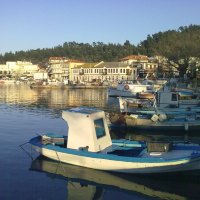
(127, 121)
(113, 92)
(108, 162)
(147, 124)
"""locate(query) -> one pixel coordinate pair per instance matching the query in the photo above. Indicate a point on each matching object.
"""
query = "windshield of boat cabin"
(99, 128)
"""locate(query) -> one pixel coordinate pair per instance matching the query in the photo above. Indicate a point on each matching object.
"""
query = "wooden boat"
(89, 144)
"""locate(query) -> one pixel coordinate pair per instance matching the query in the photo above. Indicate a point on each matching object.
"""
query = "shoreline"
(68, 87)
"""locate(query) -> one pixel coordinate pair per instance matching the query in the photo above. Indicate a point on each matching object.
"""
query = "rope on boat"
(29, 154)
(60, 161)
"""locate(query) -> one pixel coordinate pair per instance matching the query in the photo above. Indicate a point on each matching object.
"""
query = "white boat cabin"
(176, 99)
(167, 99)
(87, 129)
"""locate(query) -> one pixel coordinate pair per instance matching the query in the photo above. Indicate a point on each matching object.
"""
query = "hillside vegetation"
(176, 45)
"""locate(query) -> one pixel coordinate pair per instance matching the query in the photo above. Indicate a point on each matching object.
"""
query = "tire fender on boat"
(126, 87)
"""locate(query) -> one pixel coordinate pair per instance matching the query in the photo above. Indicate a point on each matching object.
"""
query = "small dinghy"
(88, 144)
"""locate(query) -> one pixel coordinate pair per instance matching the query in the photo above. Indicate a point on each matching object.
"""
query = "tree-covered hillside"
(176, 45)
(94, 52)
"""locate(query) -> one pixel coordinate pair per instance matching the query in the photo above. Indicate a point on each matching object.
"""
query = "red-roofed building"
(145, 66)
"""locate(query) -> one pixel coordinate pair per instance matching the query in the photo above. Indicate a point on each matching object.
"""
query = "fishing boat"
(88, 144)
(148, 115)
(163, 122)
(152, 121)
(129, 88)
(164, 100)
(167, 111)
(181, 98)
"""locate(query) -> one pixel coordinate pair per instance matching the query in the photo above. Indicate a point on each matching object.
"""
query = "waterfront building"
(104, 71)
(146, 67)
(60, 68)
(18, 69)
(128, 68)
(56, 69)
(72, 64)
(3, 70)
(41, 75)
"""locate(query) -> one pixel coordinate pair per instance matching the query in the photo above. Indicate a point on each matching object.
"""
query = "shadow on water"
(92, 183)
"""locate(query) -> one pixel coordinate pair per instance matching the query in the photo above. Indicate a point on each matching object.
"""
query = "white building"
(99, 72)
(145, 65)
(17, 69)
(60, 68)
(40, 76)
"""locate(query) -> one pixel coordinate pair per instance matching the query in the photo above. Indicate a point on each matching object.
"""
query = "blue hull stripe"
(36, 142)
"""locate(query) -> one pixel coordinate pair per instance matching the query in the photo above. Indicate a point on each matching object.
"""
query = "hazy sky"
(32, 24)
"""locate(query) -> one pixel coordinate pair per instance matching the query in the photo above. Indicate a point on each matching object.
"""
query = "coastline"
(68, 87)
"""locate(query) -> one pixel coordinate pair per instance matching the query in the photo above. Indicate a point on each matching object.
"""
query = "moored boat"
(129, 89)
(164, 101)
(89, 144)
(163, 122)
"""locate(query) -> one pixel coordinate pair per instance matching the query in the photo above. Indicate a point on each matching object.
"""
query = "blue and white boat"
(166, 112)
(89, 145)
(165, 101)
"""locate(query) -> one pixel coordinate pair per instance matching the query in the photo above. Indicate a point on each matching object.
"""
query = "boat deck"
(173, 154)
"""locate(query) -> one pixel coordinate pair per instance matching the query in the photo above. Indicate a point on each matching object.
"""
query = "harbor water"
(24, 175)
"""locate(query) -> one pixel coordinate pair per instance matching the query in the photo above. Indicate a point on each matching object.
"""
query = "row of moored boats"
(87, 141)
(167, 108)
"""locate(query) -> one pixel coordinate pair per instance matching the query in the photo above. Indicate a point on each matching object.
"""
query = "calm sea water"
(25, 112)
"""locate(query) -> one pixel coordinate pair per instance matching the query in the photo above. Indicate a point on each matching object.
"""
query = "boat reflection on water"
(83, 183)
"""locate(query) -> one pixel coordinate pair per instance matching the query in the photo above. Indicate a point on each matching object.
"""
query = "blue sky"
(32, 24)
